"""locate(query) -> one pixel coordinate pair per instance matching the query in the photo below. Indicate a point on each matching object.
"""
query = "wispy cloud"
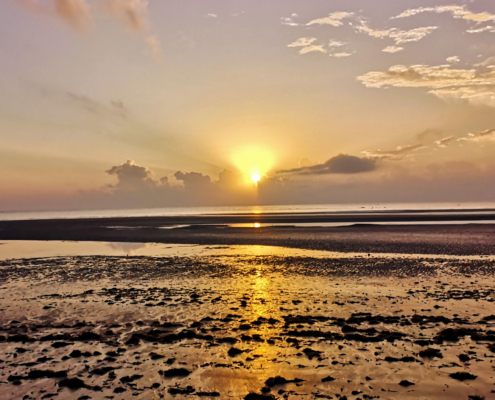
(302, 42)
(392, 49)
(453, 59)
(336, 43)
(307, 45)
(341, 55)
(313, 48)
(456, 11)
(399, 36)
(75, 12)
(488, 28)
(289, 20)
(442, 80)
(155, 47)
(445, 141)
(476, 95)
(412, 35)
(488, 135)
(333, 19)
(133, 12)
(399, 153)
(376, 33)
(79, 14)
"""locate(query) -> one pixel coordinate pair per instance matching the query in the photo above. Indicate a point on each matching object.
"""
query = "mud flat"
(253, 327)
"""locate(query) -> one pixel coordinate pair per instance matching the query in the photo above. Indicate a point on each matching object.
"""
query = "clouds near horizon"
(341, 164)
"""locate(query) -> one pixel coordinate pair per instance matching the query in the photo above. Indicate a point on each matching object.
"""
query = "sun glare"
(254, 162)
(255, 178)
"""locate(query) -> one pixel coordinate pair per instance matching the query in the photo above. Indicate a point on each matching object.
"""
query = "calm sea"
(289, 209)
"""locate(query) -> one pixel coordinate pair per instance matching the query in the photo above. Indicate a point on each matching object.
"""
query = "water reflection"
(10, 249)
(130, 249)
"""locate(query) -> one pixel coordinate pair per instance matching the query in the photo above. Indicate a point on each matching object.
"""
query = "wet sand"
(247, 326)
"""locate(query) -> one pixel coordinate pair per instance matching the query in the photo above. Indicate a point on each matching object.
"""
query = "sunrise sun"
(255, 178)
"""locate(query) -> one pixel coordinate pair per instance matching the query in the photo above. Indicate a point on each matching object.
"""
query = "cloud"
(75, 12)
(396, 183)
(289, 20)
(227, 180)
(456, 11)
(306, 162)
(453, 60)
(78, 13)
(399, 36)
(444, 142)
(488, 135)
(335, 43)
(392, 49)
(133, 12)
(302, 42)
(211, 15)
(488, 63)
(341, 55)
(313, 48)
(488, 28)
(341, 164)
(192, 179)
(398, 154)
(373, 32)
(443, 81)
(155, 47)
(307, 45)
(131, 176)
(424, 76)
(333, 19)
(475, 95)
(412, 35)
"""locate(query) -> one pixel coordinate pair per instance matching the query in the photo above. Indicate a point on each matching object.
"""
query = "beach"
(224, 326)
(351, 312)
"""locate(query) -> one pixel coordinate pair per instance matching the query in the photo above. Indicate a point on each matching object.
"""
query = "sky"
(156, 103)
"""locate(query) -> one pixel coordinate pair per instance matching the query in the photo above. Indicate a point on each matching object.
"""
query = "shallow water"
(10, 249)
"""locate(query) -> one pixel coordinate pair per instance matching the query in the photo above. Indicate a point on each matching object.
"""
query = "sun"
(255, 178)
(253, 162)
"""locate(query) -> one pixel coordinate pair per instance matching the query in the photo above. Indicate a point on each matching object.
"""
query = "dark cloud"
(192, 179)
(341, 164)
(228, 180)
(131, 176)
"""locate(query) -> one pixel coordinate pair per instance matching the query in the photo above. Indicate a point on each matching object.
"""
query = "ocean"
(488, 207)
